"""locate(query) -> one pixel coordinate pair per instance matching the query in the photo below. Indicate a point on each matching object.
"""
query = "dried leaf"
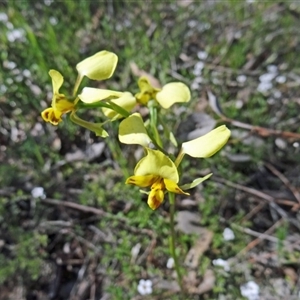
(186, 222)
(214, 103)
(202, 245)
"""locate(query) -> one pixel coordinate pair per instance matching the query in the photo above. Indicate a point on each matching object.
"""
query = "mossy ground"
(50, 251)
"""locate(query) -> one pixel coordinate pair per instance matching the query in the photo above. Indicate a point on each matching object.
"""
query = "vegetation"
(87, 235)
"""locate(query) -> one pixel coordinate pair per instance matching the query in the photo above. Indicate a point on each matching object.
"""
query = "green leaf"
(195, 182)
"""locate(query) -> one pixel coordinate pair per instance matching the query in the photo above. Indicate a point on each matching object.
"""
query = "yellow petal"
(132, 131)
(57, 81)
(126, 101)
(155, 198)
(63, 106)
(157, 163)
(208, 144)
(147, 91)
(172, 93)
(142, 181)
(171, 186)
(92, 95)
(99, 66)
(49, 116)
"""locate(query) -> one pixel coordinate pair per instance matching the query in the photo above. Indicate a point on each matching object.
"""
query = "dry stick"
(261, 236)
(98, 212)
(262, 131)
(261, 195)
(286, 182)
(254, 211)
(244, 188)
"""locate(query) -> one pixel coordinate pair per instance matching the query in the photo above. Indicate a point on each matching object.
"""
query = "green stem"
(77, 84)
(153, 123)
(95, 127)
(179, 158)
(113, 106)
(172, 240)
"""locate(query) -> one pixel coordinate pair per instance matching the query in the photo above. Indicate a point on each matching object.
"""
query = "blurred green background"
(242, 55)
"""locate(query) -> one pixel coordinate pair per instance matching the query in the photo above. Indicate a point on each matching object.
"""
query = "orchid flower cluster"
(158, 169)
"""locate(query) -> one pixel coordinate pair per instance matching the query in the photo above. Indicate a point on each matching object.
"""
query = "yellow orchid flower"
(170, 93)
(158, 171)
(97, 67)
(60, 104)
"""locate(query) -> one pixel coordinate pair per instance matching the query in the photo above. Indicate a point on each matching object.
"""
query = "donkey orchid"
(158, 171)
(60, 103)
(169, 94)
(97, 67)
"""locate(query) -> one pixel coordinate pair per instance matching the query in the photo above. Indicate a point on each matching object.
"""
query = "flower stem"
(179, 158)
(153, 123)
(172, 240)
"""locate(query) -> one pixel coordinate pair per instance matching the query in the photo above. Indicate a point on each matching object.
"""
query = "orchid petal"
(171, 186)
(57, 81)
(208, 144)
(147, 91)
(142, 181)
(92, 95)
(172, 93)
(48, 115)
(157, 163)
(132, 131)
(99, 66)
(155, 198)
(63, 106)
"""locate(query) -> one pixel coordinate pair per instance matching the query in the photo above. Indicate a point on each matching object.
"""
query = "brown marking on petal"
(130, 181)
(155, 203)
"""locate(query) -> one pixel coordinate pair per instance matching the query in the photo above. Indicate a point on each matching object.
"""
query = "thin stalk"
(172, 240)
(179, 158)
(113, 106)
(77, 84)
(153, 124)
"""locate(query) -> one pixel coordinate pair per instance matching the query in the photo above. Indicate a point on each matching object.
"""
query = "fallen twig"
(262, 131)
(261, 195)
(286, 182)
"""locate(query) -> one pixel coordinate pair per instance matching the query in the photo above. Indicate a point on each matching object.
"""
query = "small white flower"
(16, 34)
(267, 77)
(241, 78)
(296, 145)
(38, 192)
(228, 234)
(281, 79)
(250, 290)
(277, 94)
(202, 55)
(272, 68)
(3, 17)
(221, 263)
(145, 287)
(264, 86)
(198, 68)
(170, 263)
